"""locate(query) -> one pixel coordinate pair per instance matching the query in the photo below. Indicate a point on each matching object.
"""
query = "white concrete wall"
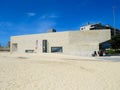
(29, 41)
(73, 42)
(90, 36)
(84, 43)
(83, 49)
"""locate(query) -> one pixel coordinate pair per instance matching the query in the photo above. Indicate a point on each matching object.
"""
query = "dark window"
(29, 51)
(56, 49)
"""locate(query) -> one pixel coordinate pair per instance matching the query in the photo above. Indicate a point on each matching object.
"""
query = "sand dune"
(57, 72)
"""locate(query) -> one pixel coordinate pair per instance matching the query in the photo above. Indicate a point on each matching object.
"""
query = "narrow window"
(44, 46)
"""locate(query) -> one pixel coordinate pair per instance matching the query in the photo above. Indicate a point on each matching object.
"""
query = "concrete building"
(96, 26)
(99, 26)
(82, 43)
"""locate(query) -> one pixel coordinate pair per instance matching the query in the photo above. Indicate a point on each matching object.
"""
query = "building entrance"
(44, 46)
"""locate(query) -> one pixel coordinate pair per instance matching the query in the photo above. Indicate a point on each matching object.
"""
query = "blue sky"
(19, 17)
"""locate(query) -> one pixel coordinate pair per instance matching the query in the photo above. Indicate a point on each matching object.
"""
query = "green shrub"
(113, 52)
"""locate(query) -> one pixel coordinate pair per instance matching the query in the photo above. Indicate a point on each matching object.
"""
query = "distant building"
(80, 42)
(93, 26)
(99, 26)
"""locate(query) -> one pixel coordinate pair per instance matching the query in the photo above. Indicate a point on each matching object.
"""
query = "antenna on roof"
(114, 20)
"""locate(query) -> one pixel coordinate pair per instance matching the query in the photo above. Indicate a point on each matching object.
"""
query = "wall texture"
(86, 42)
(29, 41)
(73, 42)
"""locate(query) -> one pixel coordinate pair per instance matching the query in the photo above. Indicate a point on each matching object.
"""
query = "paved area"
(109, 58)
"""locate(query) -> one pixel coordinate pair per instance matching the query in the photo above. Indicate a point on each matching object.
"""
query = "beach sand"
(57, 72)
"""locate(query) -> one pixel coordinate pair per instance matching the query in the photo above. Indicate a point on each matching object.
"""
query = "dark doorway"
(44, 46)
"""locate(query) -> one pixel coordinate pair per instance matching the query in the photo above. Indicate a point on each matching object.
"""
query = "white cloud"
(53, 16)
(37, 26)
(31, 14)
(48, 16)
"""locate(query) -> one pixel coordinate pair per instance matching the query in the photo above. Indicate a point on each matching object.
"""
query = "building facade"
(99, 26)
(82, 43)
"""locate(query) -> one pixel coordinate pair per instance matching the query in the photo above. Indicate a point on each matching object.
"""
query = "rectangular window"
(56, 49)
(29, 51)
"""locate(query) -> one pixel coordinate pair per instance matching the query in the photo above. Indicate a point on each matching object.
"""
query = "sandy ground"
(57, 72)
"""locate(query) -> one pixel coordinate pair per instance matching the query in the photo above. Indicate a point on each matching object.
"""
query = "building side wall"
(82, 43)
(90, 36)
(28, 42)
(83, 49)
